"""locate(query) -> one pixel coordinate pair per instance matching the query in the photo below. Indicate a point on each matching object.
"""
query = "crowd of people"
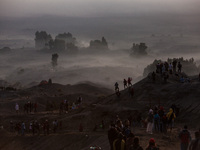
(35, 127)
(121, 137)
(165, 68)
(159, 121)
(64, 106)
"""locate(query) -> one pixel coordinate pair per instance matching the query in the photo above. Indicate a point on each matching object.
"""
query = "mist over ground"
(30, 66)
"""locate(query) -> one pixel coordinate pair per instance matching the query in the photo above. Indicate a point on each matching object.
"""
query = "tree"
(59, 44)
(139, 49)
(42, 39)
(97, 44)
(54, 59)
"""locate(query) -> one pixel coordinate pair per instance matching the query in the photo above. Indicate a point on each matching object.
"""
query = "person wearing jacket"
(171, 116)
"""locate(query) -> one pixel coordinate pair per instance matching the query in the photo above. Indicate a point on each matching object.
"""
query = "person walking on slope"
(116, 86)
(171, 117)
(195, 144)
(150, 122)
(152, 145)
(129, 81)
(125, 83)
(185, 138)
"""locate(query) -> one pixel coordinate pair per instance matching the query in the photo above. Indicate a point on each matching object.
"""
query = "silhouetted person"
(174, 63)
(185, 138)
(179, 67)
(129, 81)
(125, 83)
(116, 86)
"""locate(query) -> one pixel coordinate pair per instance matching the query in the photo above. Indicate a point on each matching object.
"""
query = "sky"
(94, 8)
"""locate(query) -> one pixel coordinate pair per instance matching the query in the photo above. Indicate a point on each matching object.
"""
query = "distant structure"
(139, 49)
(99, 44)
(42, 40)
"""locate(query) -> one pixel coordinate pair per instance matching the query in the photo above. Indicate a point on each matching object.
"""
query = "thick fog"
(169, 29)
(88, 8)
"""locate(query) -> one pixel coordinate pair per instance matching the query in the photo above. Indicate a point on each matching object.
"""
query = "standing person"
(171, 117)
(161, 114)
(164, 123)
(30, 127)
(156, 122)
(23, 128)
(17, 108)
(158, 68)
(112, 135)
(79, 99)
(46, 127)
(179, 67)
(195, 144)
(170, 68)
(115, 136)
(126, 129)
(125, 83)
(163, 69)
(185, 138)
(55, 125)
(150, 122)
(174, 63)
(152, 145)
